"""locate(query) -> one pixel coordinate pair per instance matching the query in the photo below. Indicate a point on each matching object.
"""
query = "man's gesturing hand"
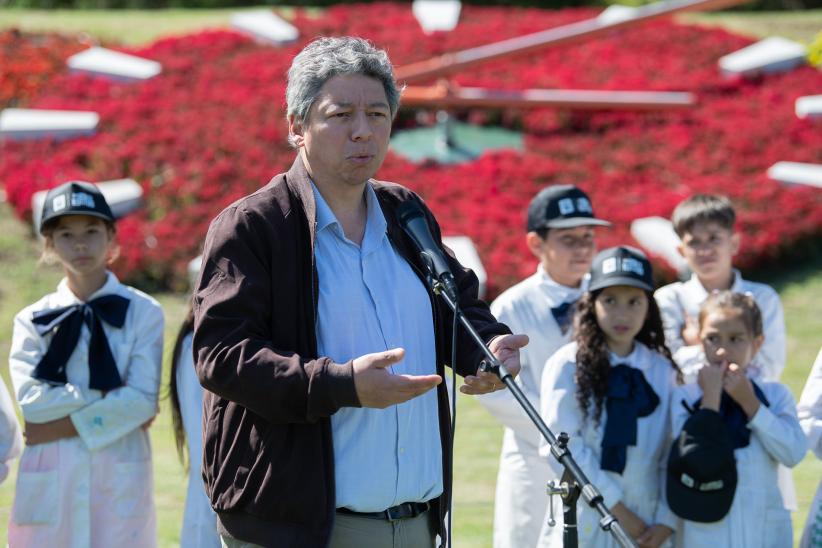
(378, 388)
(506, 349)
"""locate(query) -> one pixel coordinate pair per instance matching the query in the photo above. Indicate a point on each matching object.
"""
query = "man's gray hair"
(325, 58)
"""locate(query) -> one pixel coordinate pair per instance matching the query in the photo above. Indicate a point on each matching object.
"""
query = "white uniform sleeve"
(673, 317)
(190, 395)
(501, 404)
(129, 406)
(40, 401)
(11, 441)
(777, 427)
(561, 413)
(809, 409)
(771, 356)
(664, 515)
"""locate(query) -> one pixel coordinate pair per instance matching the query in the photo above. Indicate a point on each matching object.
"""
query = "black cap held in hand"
(75, 198)
(623, 265)
(561, 206)
(702, 473)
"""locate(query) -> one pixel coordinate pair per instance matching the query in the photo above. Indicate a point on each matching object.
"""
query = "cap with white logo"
(623, 265)
(561, 206)
(75, 198)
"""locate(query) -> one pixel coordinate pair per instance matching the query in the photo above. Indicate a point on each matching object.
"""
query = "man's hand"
(739, 387)
(654, 536)
(506, 349)
(37, 433)
(710, 379)
(379, 388)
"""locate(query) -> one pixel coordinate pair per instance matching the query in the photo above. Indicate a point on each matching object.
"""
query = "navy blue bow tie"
(563, 314)
(629, 397)
(69, 320)
(735, 418)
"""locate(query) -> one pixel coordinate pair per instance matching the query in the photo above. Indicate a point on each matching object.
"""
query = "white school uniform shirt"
(96, 488)
(521, 501)
(809, 411)
(757, 518)
(640, 487)
(11, 441)
(199, 520)
(683, 299)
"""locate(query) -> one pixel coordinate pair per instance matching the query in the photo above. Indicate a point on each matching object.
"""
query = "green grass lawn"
(478, 435)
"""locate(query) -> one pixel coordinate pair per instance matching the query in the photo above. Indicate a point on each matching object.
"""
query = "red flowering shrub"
(28, 61)
(211, 129)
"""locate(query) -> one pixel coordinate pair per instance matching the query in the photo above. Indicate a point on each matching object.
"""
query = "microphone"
(412, 220)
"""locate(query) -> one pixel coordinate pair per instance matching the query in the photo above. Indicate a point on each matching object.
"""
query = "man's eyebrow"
(377, 104)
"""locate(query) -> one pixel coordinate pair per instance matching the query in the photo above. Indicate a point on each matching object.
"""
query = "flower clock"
(211, 128)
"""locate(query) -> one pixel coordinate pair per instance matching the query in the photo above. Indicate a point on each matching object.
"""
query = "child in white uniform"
(199, 521)
(705, 224)
(761, 421)
(561, 235)
(809, 410)
(85, 364)
(11, 442)
(610, 391)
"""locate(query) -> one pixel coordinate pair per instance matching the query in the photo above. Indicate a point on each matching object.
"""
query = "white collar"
(697, 286)
(65, 296)
(549, 282)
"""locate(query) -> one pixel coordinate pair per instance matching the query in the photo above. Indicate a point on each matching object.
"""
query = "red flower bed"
(211, 129)
(27, 62)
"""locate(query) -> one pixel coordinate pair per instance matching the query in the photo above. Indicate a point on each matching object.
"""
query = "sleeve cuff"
(611, 493)
(91, 427)
(339, 381)
(665, 516)
(764, 419)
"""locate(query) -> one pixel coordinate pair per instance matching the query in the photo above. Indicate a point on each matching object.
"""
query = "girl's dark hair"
(176, 416)
(593, 360)
(728, 300)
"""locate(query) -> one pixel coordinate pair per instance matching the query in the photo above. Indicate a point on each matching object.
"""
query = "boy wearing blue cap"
(561, 234)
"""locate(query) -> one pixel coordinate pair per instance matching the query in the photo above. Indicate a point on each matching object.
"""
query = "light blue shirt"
(370, 301)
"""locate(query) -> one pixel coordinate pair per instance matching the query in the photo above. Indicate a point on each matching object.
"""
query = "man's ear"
(680, 247)
(295, 130)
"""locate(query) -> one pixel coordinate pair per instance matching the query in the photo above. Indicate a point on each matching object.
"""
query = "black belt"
(401, 511)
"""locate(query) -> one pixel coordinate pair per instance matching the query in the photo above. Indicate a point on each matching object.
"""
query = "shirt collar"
(375, 223)
(325, 217)
(633, 358)
(566, 290)
(736, 286)
(66, 297)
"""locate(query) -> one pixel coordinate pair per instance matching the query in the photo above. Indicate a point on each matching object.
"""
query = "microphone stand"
(574, 482)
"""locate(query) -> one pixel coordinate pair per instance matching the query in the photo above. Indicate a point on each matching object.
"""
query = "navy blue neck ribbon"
(735, 418)
(563, 314)
(69, 320)
(629, 398)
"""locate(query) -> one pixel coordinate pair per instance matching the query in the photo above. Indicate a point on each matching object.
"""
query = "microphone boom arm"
(580, 483)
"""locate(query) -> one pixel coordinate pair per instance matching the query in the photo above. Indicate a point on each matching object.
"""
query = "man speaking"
(318, 340)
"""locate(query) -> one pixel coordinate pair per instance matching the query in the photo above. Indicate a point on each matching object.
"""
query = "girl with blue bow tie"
(610, 390)
(85, 363)
(761, 427)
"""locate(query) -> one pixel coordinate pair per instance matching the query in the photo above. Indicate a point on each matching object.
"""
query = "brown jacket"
(268, 460)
